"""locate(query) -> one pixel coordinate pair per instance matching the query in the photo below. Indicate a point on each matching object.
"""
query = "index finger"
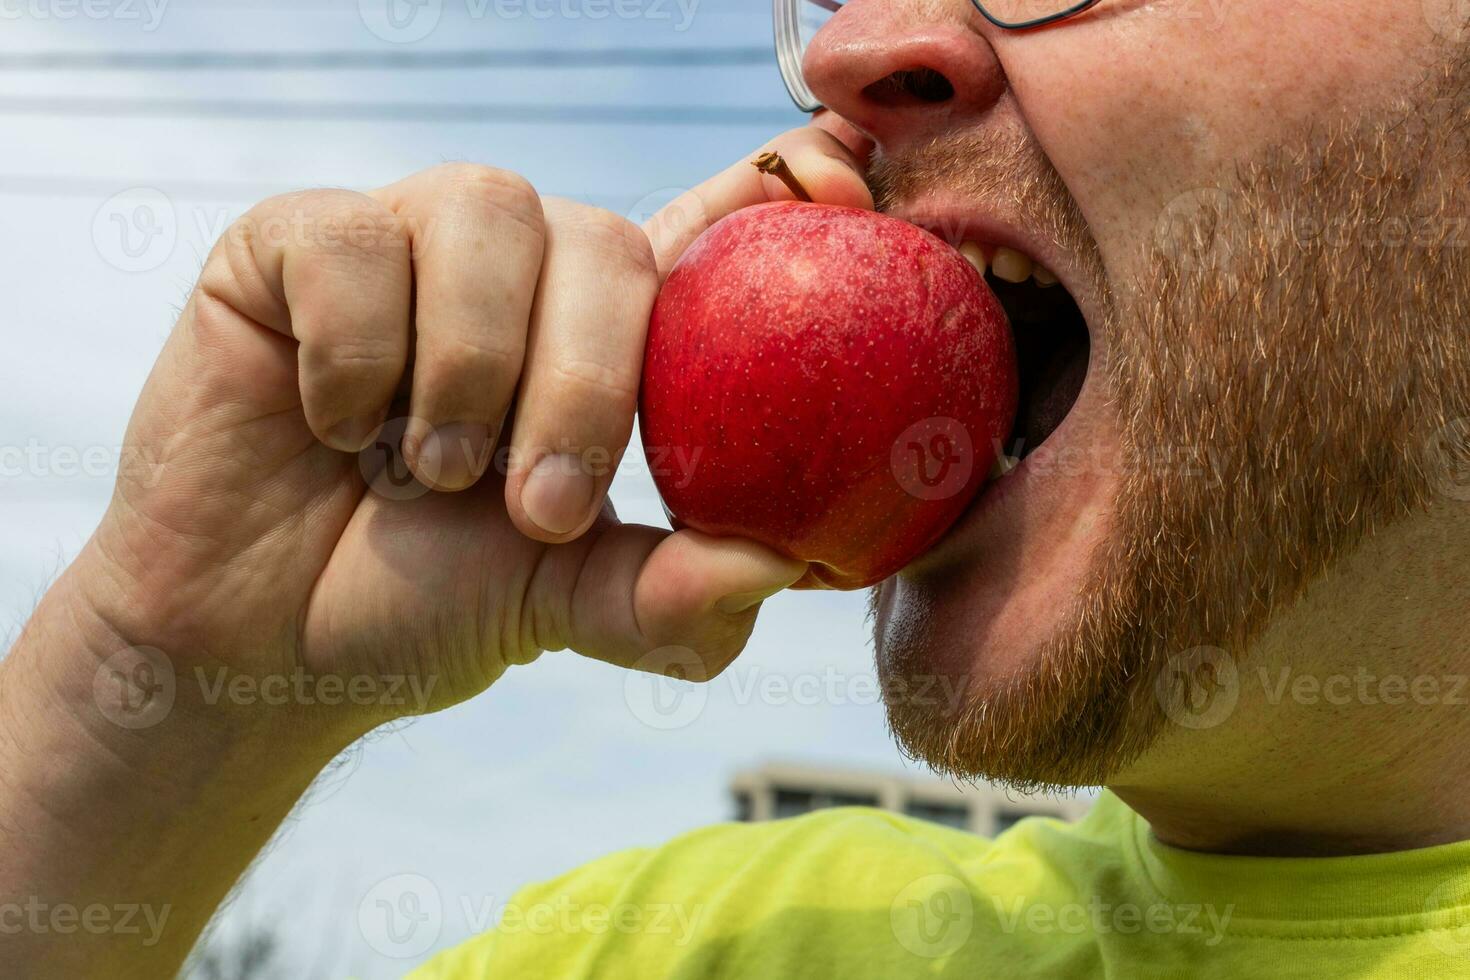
(826, 168)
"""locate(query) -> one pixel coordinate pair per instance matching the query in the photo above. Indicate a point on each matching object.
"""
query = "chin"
(990, 646)
(1004, 585)
(986, 641)
(1205, 434)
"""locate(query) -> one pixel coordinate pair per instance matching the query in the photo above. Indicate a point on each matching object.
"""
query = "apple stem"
(772, 163)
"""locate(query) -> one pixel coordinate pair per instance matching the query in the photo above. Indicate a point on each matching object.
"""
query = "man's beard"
(1294, 374)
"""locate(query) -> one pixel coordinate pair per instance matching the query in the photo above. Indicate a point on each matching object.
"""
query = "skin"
(247, 541)
(1074, 587)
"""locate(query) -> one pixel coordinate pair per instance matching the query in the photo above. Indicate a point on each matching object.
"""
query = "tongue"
(1050, 394)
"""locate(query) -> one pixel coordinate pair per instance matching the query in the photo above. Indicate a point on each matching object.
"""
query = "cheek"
(1149, 101)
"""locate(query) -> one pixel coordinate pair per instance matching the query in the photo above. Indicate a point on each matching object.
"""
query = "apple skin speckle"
(831, 382)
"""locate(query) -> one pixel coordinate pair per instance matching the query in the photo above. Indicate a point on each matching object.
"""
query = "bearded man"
(1227, 578)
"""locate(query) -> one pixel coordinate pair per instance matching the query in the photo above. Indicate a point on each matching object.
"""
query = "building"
(774, 791)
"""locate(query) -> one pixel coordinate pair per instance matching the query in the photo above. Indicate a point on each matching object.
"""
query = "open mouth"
(1052, 343)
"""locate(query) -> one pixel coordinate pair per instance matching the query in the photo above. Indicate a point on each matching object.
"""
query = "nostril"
(911, 86)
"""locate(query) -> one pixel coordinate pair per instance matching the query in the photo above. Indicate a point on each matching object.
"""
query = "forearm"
(117, 843)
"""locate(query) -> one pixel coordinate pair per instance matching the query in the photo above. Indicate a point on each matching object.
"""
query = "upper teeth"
(1007, 263)
(1010, 265)
(974, 255)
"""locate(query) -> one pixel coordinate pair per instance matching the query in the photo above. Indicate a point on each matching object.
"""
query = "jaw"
(1000, 656)
(981, 607)
(1007, 583)
(996, 648)
(1001, 618)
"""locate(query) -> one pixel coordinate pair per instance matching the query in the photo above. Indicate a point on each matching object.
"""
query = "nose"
(904, 69)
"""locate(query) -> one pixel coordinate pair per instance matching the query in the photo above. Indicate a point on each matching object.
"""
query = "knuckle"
(215, 324)
(809, 139)
(345, 359)
(490, 190)
(584, 379)
(468, 359)
(231, 278)
(612, 237)
(326, 220)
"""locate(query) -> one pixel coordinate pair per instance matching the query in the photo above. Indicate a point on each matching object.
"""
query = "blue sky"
(561, 761)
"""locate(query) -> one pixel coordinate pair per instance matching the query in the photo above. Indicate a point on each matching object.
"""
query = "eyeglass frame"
(788, 61)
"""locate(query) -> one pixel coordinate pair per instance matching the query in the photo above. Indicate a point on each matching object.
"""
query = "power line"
(52, 185)
(684, 57)
(274, 6)
(315, 111)
(189, 188)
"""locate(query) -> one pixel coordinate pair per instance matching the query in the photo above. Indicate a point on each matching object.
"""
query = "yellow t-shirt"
(858, 893)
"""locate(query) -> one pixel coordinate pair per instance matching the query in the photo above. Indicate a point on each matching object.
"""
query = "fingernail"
(558, 493)
(353, 435)
(455, 454)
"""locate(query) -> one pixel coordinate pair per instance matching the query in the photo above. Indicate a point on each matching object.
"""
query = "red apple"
(831, 382)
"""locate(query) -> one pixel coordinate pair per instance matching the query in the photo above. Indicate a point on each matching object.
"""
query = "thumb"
(831, 173)
(651, 600)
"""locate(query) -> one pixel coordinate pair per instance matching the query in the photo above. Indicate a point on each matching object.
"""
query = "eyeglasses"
(797, 22)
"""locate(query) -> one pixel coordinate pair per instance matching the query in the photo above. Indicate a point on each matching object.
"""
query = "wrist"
(115, 793)
(124, 691)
